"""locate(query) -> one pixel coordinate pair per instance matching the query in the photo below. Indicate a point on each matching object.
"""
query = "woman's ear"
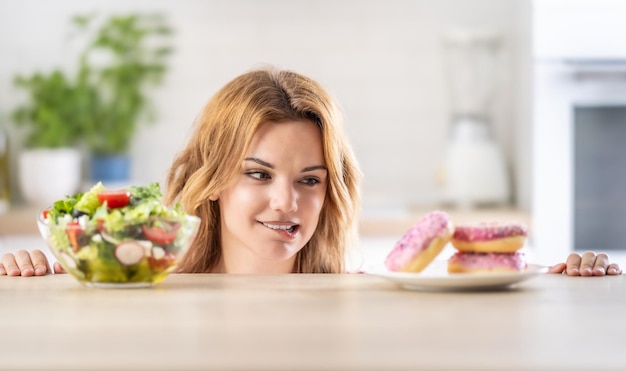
(213, 197)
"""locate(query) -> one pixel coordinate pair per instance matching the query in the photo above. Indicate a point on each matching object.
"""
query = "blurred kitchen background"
(383, 60)
(438, 95)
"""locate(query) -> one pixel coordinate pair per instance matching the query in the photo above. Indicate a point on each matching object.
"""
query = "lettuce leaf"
(89, 202)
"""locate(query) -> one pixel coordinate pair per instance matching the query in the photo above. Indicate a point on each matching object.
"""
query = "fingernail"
(13, 272)
(27, 272)
(600, 270)
(40, 271)
(587, 270)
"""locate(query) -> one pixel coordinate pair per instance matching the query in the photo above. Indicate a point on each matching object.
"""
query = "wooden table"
(336, 322)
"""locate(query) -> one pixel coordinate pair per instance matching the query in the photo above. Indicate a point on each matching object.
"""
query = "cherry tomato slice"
(114, 199)
(45, 213)
(161, 236)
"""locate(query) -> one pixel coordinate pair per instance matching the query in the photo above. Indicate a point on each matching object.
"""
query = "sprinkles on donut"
(488, 247)
(421, 243)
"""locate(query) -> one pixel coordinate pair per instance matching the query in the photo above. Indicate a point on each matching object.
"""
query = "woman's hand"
(27, 263)
(589, 264)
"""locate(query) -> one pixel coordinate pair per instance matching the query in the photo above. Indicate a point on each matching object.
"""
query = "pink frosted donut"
(476, 262)
(489, 237)
(421, 243)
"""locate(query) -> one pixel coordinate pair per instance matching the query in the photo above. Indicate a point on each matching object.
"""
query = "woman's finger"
(10, 265)
(40, 262)
(614, 269)
(24, 263)
(601, 265)
(587, 263)
(557, 268)
(58, 268)
(573, 264)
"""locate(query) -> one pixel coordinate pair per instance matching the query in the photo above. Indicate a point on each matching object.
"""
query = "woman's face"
(272, 209)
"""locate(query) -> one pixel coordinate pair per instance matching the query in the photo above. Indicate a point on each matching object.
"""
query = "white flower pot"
(47, 175)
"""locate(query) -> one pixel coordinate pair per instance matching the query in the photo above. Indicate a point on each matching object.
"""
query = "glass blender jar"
(474, 171)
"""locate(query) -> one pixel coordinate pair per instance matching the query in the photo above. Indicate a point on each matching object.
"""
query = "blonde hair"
(213, 157)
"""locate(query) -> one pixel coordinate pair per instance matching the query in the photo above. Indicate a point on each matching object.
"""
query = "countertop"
(333, 322)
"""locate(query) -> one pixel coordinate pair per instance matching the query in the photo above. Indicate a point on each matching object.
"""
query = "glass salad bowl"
(135, 242)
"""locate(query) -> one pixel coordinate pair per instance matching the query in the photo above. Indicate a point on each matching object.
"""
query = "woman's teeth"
(288, 228)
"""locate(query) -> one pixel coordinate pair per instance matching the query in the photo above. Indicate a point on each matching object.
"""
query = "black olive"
(77, 213)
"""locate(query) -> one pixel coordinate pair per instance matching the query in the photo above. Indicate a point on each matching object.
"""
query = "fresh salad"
(118, 236)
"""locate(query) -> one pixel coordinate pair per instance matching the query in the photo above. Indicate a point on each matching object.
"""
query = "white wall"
(381, 59)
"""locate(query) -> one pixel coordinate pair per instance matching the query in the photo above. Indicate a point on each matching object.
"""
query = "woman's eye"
(311, 181)
(257, 174)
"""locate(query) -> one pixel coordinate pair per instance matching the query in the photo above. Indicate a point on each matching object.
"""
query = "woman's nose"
(284, 197)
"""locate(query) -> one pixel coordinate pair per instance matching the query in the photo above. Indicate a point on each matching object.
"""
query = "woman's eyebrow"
(259, 161)
(313, 168)
(267, 164)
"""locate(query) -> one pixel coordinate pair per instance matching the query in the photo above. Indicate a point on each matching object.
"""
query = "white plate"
(436, 277)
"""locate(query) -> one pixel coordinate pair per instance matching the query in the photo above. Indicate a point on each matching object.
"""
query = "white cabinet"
(579, 29)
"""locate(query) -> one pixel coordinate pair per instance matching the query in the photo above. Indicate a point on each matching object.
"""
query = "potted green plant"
(49, 166)
(124, 58)
(98, 108)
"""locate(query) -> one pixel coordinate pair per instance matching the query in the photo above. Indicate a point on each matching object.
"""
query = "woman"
(271, 175)
(273, 178)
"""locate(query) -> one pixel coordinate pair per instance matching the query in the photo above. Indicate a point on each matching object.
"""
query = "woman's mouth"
(289, 229)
